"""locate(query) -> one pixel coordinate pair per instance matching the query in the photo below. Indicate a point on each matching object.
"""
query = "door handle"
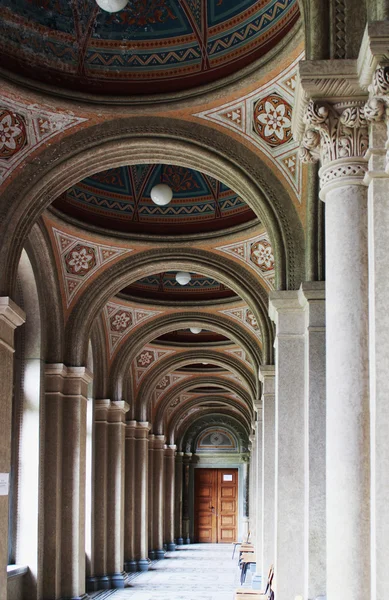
(213, 510)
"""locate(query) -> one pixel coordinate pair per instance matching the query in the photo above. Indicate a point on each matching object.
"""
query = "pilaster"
(286, 312)
(11, 316)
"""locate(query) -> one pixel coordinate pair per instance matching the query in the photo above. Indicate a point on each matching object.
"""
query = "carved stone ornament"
(376, 106)
(336, 132)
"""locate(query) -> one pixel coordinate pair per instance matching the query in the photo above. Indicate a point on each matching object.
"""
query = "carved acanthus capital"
(333, 132)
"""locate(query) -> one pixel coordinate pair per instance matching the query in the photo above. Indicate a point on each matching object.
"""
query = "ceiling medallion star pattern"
(263, 118)
(120, 319)
(80, 260)
(26, 127)
(273, 120)
(13, 134)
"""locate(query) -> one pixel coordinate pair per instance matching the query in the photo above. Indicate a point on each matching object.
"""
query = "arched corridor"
(194, 224)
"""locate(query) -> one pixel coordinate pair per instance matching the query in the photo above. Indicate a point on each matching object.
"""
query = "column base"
(256, 582)
(103, 582)
(159, 554)
(82, 597)
(165, 547)
(187, 541)
(152, 554)
(92, 584)
(180, 541)
(143, 564)
(118, 580)
(171, 547)
(130, 566)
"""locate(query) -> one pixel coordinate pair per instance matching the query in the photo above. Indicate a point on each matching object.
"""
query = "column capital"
(159, 442)
(69, 380)
(266, 372)
(11, 313)
(101, 409)
(330, 122)
(116, 411)
(142, 429)
(285, 311)
(130, 429)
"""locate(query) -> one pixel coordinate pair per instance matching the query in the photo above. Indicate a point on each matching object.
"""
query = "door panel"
(216, 505)
(205, 503)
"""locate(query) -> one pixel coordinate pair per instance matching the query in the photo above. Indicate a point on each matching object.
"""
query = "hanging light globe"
(195, 329)
(161, 194)
(112, 6)
(183, 278)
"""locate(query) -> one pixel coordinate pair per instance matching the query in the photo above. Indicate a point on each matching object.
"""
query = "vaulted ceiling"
(150, 46)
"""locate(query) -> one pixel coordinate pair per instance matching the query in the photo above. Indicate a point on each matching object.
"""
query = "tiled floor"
(195, 572)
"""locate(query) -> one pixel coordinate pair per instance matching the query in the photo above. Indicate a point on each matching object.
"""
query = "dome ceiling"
(150, 46)
(119, 199)
(163, 286)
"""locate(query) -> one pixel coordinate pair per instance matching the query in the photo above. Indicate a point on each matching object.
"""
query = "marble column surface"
(267, 377)
(170, 458)
(286, 312)
(100, 493)
(312, 299)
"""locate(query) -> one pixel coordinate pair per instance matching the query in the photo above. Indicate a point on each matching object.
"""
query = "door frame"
(217, 465)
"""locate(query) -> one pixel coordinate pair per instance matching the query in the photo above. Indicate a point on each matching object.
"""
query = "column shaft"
(178, 498)
(100, 494)
(348, 472)
(267, 376)
(11, 316)
(151, 498)
(312, 298)
(141, 494)
(257, 580)
(159, 472)
(170, 457)
(129, 499)
(115, 493)
(288, 315)
(185, 511)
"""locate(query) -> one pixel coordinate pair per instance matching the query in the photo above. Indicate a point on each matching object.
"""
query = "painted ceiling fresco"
(150, 46)
(119, 199)
(163, 286)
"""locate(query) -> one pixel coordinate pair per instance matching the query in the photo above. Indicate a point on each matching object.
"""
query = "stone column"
(185, 511)
(286, 312)
(267, 377)
(159, 472)
(258, 577)
(115, 493)
(11, 316)
(178, 498)
(141, 494)
(151, 497)
(312, 299)
(75, 397)
(377, 179)
(129, 499)
(100, 494)
(170, 457)
(337, 133)
(249, 479)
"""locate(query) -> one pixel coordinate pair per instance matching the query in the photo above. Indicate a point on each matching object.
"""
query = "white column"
(312, 299)
(286, 312)
(378, 243)
(257, 484)
(337, 131)
(267, 377)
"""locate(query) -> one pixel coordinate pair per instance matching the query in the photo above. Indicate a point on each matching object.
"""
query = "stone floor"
(195, 572)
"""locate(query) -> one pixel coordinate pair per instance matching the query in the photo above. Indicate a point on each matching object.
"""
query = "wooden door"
(216, 505)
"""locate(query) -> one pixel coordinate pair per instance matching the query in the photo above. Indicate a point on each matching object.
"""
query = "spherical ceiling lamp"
(112, 6)
(161, 194)
(195, 329)
(182, 277)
